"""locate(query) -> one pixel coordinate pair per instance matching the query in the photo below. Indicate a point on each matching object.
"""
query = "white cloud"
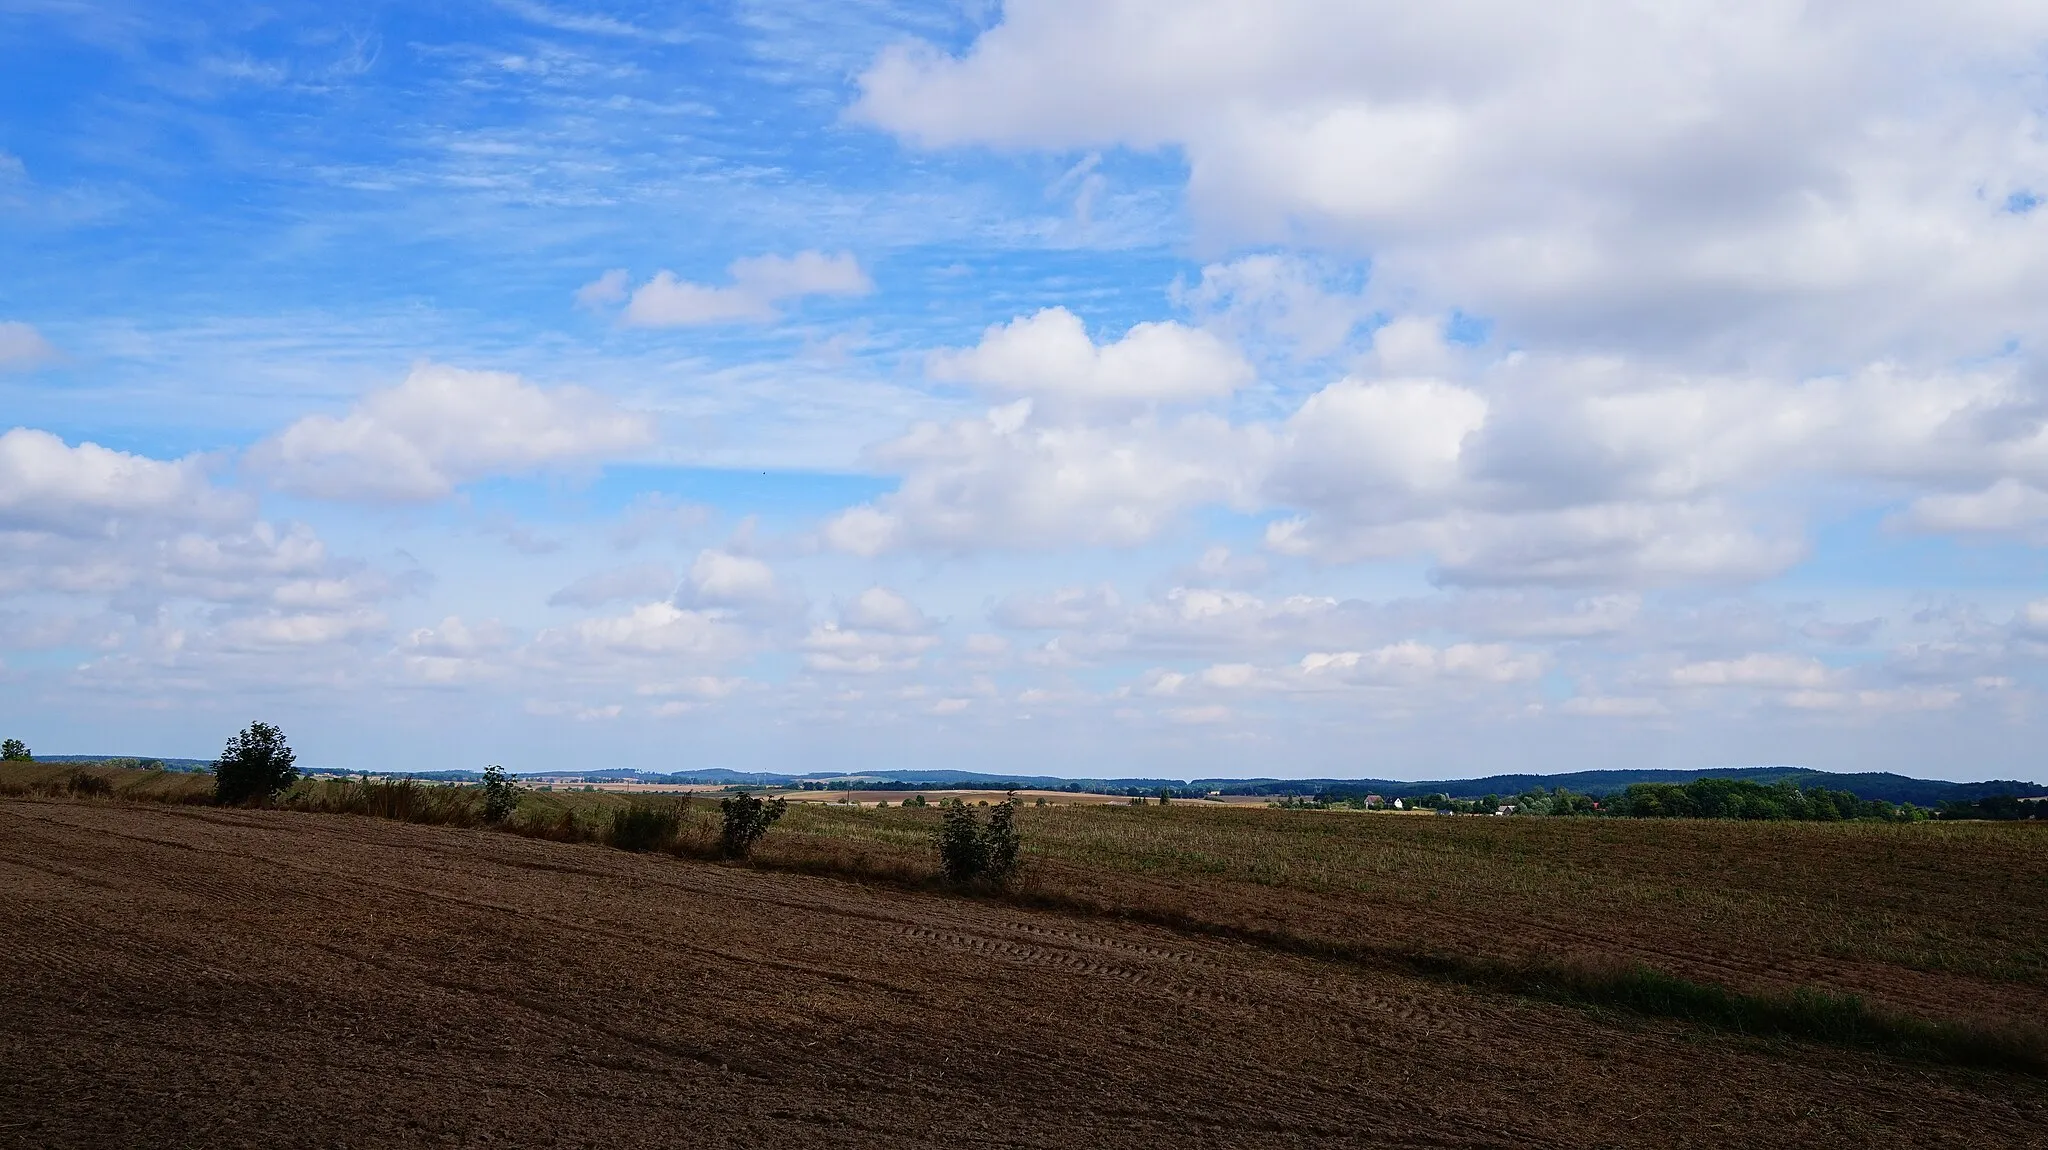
(722, 578)
(2008, 505)
(1584, 172)
(1276, 297)
(650, 631)
(1065, 609)
(610, 288)
(1769, 669)
(48, 485)
(1049, 358)
(1888, 701)
(454, 638)
(1612, 706)
(635, 581)
(834, 649)
(275, 629)
(23, 347)
(444, 426)
(759, 285)
(1411, 661)
(880, 609)
(1004, 481)
(1372, 450)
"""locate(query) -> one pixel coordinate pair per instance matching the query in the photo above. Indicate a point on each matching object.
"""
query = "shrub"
(256, 764)
(644, 828)
(15, 751)
(501, 794)
(746, 819)
(81, 783)
(971, 851)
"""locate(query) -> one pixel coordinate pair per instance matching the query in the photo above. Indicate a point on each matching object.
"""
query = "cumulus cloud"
(1008, 481)
(2008, 505)
(1585, 173)
(723, 578)
(442, 427)
(49, 485)
(760, 285)
(878, 630)
(835, 649)
(1049, 357)
(23, 347)
(660, 631)
(1279, 298)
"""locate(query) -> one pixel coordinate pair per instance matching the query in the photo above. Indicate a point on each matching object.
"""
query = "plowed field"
(189, 977)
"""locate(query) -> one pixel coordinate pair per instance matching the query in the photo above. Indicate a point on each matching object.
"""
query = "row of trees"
(1744, 799)
(259, 763)
(1706, 799)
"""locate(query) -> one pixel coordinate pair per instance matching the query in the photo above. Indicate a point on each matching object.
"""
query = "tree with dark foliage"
(15, 751)
(256, 764)
(746, 820)
(501, 794)
(970, 851)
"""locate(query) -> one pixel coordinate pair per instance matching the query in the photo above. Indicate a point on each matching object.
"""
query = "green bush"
(644, 828)
(973, 851)
(15, 751)
(256, 764)
(746, 819)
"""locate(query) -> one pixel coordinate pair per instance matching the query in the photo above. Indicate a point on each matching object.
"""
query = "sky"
(1183, 388)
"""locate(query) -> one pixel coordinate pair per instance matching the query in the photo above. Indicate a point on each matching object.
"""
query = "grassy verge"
(1187, 868)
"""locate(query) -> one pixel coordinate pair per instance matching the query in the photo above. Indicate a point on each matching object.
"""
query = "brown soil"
(180, 976)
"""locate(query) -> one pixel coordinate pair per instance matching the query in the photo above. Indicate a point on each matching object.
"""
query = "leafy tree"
(970, 850)
(746, 819)
(501, 794)
(15, 751)
(256, 764)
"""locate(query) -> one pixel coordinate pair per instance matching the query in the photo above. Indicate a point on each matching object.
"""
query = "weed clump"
(83, 784)
(256, 764)
(973, 851)
(644, 828)
(746, 819)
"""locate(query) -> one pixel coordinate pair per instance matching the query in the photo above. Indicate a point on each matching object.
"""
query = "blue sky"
(1303, 388)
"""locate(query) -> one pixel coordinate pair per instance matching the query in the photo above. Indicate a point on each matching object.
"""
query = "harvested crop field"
(186, 976)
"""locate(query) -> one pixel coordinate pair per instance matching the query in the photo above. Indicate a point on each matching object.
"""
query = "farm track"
(181, 976)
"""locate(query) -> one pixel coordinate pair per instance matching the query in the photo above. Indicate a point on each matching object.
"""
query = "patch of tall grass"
(644, 828)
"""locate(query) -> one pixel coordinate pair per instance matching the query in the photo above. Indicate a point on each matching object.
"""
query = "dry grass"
(66, 779)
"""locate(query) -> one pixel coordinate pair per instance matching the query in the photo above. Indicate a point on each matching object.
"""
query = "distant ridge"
(1869, 785)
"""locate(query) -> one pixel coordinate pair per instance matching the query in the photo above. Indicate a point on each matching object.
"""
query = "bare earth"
(188, 977)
